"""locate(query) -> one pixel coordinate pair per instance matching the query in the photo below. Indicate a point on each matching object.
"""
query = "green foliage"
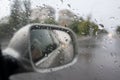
(50, 21)
(35, 21)
(74, 26)
(19, 17)
(84, 27)
(20, 14)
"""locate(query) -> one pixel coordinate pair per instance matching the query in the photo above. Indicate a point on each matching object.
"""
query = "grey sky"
(106, 12)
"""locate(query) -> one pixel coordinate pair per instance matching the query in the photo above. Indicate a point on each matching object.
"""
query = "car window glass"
(96, 24)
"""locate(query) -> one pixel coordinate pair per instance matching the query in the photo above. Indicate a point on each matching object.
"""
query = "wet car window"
(96, 24)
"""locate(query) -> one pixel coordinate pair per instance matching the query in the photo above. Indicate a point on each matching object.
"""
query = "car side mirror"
(51, 47)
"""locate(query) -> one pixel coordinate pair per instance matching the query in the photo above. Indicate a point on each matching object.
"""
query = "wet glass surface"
(96, 24)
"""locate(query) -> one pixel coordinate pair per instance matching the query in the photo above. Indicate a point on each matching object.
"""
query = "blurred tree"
(66, 17)
(26, 12)
(15, 16)
(5, 30)
(84, 27)
(43, 13)
(20, 13)
(74, 26)
(35, 21)
(50, 21)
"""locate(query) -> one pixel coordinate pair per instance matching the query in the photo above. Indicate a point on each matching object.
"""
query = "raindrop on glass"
(119, 66)
(75, 17)
(101, 66)
(46, 55)
(69, 5)
(110, 42)
(51, 70)
(115, 61)
(67, 31)
(61, 58)
(66, 40)
(61, 61)
(58, 52)
(14, 29)
(111, 54)
(61, 1)
(104, 47)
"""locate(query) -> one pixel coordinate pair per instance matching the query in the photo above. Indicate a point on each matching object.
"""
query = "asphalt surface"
(98, 59)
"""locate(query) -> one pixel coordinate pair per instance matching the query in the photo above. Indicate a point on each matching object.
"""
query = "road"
(101, 58)
(98, 59)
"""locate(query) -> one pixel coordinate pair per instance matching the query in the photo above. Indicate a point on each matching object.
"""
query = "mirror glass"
(51, 48)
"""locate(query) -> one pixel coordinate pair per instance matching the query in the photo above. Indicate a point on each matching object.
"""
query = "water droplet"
(61, 1)
(46, 55)
(75, 17)
(24, 35)
(78, 13)
(14, 29)
(83, 33)
(101, 66)
(119, 66)
(51, 70)
(61, 58)
(101, 25)
(80, 20)
(112, 27)
(105, 39)
(56, 4)
(67, 31)
(66, 40)
(73, 9)
(61, 61)
(58, 8)
(115, 61)
(111, 54)
(95, 78)
(64, 14)
(69, 5)
(104, 47)
(110, 42)
(58, 52)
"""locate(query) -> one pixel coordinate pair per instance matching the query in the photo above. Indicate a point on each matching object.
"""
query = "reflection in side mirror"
(51, 48)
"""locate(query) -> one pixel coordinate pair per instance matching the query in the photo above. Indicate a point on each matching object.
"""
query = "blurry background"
(85, 18)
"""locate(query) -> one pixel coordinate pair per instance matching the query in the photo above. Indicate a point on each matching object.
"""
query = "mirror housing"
(19, 48)
(45, 59)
